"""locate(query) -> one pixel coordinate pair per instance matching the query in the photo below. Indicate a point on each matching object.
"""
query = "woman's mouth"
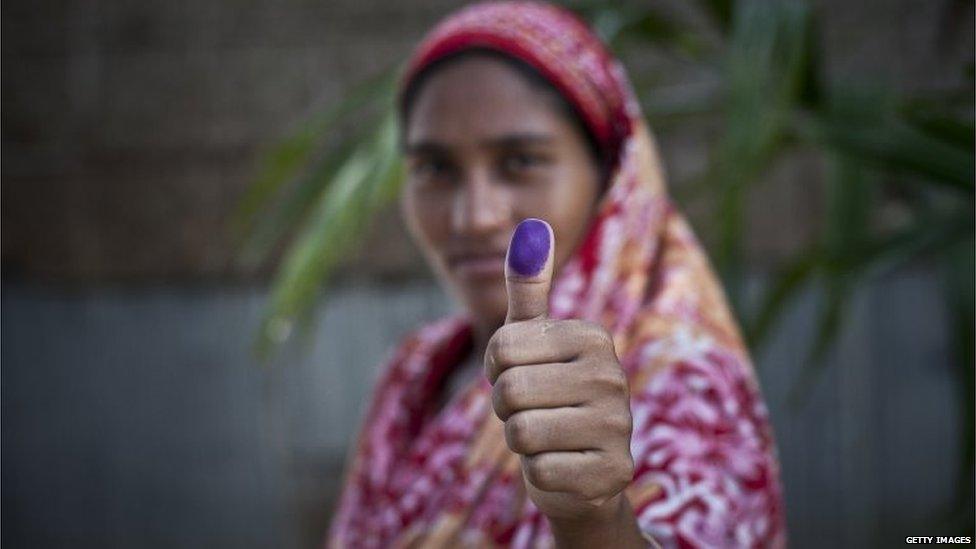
(478, 265)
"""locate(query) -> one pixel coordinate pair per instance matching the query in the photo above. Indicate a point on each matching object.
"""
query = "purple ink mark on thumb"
(529, 249)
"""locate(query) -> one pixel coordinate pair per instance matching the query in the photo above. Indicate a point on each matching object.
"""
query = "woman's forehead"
(480, 99)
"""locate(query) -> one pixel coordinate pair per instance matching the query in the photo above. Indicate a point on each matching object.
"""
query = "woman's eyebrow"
(519, 140)
(508, 141)
(432, 148)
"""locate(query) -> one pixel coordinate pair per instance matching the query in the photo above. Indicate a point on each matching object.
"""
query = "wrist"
(612, 525)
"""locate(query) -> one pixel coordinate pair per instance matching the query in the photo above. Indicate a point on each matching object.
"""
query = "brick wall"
(131, 128)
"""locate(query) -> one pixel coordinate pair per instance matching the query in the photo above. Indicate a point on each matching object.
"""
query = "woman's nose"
(480, 206)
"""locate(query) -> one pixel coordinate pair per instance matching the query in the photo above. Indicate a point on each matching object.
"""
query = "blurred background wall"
(133, 410)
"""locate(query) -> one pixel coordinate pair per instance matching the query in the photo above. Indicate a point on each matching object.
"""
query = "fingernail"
(529, 250)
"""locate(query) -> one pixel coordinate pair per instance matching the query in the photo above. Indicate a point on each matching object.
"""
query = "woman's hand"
(565, 404)
(563, 396)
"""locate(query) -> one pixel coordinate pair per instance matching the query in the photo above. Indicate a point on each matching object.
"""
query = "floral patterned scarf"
(706, 474)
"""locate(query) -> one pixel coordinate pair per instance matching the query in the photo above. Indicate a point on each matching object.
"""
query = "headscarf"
(706, 474)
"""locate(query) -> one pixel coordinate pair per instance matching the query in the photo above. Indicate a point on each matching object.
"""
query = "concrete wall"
(141, 419)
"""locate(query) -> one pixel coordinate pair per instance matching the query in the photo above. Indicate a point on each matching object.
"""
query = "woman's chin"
(486, 303)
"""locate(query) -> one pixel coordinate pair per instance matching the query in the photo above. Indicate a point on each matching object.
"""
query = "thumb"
(528, 270)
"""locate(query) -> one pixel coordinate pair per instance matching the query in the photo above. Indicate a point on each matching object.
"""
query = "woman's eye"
(430, 169)
(518, 162)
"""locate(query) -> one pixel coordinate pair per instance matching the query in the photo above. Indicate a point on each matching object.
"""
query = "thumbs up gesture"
(559, 388)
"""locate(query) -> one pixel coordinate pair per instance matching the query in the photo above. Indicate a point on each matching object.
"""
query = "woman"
(596, 390)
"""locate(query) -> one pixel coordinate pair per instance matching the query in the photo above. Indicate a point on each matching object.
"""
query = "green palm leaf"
(764, 70)
(366, 182)
(269, 208)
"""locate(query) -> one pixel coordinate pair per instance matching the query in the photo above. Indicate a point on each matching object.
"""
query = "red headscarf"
(706, 473)
(543, 36)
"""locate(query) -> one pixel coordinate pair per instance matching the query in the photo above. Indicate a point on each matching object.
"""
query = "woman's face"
(484, 150)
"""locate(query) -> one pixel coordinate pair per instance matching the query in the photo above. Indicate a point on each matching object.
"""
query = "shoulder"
(420, 349)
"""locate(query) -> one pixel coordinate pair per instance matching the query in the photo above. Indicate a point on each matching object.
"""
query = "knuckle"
(498, 401)
(622, 482)
(496, 404)
(518, 434)
(621, 472)
(579, 331)
(491, 364)
(575, 326)
(617, 475)
(503, 344)
(621, 423)
(505, 394)
(540, 473)
(554, 327)
(620, 382)
(493, 347)
(614, 381)
(628, 469)
(508, 387)
(544, 326)
(597, 334)
(596, 341)
(489, 367)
